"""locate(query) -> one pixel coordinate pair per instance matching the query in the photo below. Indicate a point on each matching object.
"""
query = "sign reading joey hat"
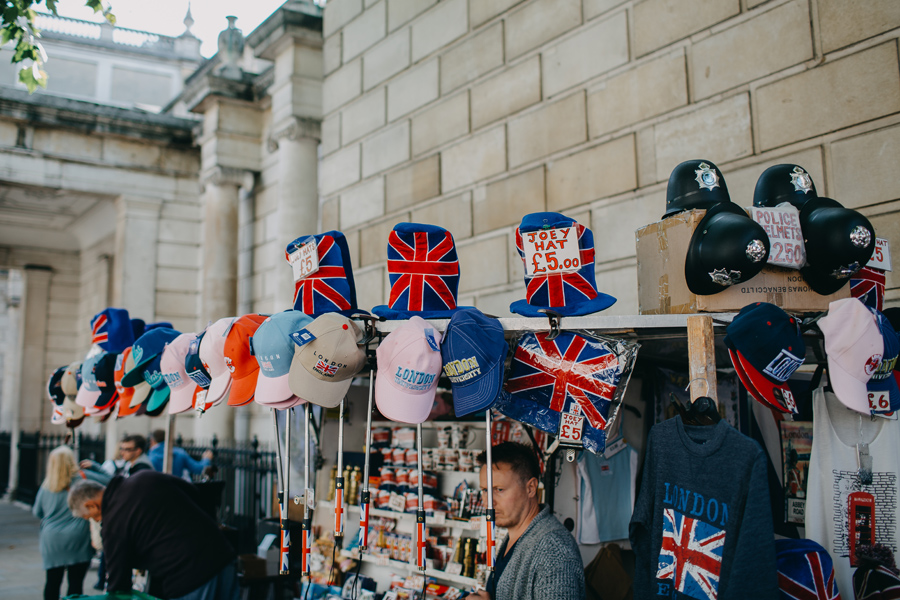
(728, 247)
(695, 184)
(784, 183)
(323, 275)
(558, 254)
(839, 242)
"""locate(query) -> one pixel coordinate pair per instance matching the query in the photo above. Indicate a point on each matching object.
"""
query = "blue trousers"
(224, 586)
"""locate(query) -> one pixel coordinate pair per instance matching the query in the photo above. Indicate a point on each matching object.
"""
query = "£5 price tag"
(571, 428)
(304, 260)
(881, 257)
(551, 251)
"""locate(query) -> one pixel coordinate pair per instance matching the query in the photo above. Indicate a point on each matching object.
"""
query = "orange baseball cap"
(240, 360)
(126, 394)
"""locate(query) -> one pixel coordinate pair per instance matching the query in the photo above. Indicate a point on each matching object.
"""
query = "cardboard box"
(662, 289)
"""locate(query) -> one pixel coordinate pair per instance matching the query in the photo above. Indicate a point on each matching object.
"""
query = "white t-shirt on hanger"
(833, 469)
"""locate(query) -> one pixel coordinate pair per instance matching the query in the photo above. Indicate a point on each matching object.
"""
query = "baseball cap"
(274, 349)
(181, 388)
(126, 394)
(159, 394)
(239, 360)
(54, 386)
(474, 355)
(855, 347)
(194, 366)
(212, 354)
(145, 349)
(884, 394)
(88, 391)
(289, 403)
(325, 359)
(104, 375)
(57, 417)
(73, 413)
(766, 348)
(409, 360)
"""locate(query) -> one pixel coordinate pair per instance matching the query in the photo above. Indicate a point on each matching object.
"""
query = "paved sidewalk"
(21, 571)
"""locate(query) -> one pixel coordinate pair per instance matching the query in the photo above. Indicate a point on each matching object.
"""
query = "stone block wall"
(471, 113)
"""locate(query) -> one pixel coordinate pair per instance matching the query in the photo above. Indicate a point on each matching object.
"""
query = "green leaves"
(17, 18)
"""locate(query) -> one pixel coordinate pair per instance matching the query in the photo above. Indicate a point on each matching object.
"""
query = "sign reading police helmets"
(782, 224)
(549, 251)
(304, 260)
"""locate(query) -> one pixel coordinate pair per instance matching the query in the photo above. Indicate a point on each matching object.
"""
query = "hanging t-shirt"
(702, 527)
(607, 495)
(834, 476)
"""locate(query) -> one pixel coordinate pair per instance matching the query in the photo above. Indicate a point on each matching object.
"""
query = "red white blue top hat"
(330, 287)
(571, 291)
(111, 330)
(424, 273)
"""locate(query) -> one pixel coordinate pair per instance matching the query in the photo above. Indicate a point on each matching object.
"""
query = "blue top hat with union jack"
(424, 273)
(111, 330)
(329, 287)
(805, 570)
(556, 277)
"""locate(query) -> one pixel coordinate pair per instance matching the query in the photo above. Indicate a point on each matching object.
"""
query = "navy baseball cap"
(766, 348)
(54, 386)
(145, 349)
(194, 367)
(883, 380)
(474, 357)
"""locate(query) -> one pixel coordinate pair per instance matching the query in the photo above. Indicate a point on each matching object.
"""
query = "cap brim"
(57, 418)
(850, 391)
(601, 302)
(141, 393)
(768, 391)
(219, 388)
(479, 395)
(158, 399)
(289, 403)
(86, 398)
(125, 407)
(401, 407)
(242, 389)
(136, 375)
(107, 400)
(182, 399)
(272, 390)
(327, 394)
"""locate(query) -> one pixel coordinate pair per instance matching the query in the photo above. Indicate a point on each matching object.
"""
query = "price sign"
(439, 518)
(880, 405)
(304, 260)
(551, 251)
(782, 224)
(881, 258)
(397, 503)
(454, 568)
(571, 428)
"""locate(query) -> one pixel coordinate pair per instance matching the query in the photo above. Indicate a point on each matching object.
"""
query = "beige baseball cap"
(326, 359)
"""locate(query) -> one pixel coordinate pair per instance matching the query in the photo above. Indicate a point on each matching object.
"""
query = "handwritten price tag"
(304, 260)
(551, 251)
(571, 427)
(782, 224)
(881, 258)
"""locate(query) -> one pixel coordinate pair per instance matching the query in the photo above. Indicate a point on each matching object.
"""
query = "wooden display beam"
(702, 357)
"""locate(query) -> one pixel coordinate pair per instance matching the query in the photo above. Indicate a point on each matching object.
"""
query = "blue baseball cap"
(145, 349)
(474, 356)
(766, 348)
(274, 351)
(193, 364)
(883, 380)
(160, 394)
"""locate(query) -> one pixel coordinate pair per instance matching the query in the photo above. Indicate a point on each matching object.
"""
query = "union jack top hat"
(424, 273)
(330, 288)
(570, 294)
(111, 330)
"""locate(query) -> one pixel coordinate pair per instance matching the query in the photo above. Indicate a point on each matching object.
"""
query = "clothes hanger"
(703, 410)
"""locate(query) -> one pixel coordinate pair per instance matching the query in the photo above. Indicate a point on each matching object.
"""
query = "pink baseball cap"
(212, 354)
(289, 403)
(409, 365)
(854, 347)
(182, 389)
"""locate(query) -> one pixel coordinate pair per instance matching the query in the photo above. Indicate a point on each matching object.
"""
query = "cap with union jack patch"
(111, 330)
(570, 291)
(325, 359)
(274, 350)
(326, 283)
(423, 270)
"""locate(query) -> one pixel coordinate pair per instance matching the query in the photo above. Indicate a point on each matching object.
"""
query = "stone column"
(12, 372)
(33, 403)
(221, 203)
(297, 144)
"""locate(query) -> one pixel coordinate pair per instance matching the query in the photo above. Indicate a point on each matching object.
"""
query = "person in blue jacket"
(181, 460)
(65, 540)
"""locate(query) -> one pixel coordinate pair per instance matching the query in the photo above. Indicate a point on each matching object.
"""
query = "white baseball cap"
(212, 354)
(182, 388)
(855, 349)
(409, 366)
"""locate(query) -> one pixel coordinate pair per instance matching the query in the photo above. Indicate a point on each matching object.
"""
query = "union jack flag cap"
(572, 374)
(424, 273)
(325, 359)
(805, 571)
(331, 287)
(569, 294)
(111, 330)
(274, 350)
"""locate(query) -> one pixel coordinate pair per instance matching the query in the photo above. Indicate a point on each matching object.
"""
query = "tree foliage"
(17, 27)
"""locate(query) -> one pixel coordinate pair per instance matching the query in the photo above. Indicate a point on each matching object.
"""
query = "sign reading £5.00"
(304, 260)
(550, 251)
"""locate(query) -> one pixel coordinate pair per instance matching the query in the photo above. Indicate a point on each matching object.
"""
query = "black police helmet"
(784, 183)
(695, 184)
(727, 247)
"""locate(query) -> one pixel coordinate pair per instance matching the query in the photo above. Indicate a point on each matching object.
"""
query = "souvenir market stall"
(753, 398)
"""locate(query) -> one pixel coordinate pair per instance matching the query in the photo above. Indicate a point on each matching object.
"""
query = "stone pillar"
(221, 203)
(12, 372)
(32, 396)
(297, 144)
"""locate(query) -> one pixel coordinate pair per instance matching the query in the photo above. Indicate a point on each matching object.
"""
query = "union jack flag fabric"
(423, 269)
(331, 287)
(805, 571)
(568, 374)
(111, 330)
(868, 286)
(691, 555)
(569, 294)
(323, 367)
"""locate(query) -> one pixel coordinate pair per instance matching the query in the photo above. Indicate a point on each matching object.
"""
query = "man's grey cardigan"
(545, 564)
